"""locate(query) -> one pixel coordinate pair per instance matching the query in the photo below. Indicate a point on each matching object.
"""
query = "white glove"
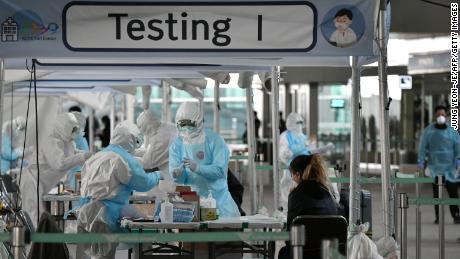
(190, 164)
(177, 172)
(27, 151)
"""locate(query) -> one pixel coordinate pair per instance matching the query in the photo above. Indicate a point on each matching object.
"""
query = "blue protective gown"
(212, 157)
(9, 156)
(81, 144)
(297, 144)
(441, 147)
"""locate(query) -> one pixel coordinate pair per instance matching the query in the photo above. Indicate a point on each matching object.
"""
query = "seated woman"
(311, 196)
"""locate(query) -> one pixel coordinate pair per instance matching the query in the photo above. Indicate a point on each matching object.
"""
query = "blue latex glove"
(190, 164)
(177, 172)
(421, 165)
(457, 163)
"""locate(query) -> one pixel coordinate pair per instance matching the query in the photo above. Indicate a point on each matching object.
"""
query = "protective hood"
(15, 124)
(81, 120)
(64, 125)
(126, 135)
(148, 123)
(291, 123)
(191, 111)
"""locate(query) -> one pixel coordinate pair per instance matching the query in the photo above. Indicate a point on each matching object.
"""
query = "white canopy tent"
(71, 47)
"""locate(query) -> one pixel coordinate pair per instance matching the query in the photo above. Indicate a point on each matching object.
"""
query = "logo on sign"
(26, 25)
(343, 26)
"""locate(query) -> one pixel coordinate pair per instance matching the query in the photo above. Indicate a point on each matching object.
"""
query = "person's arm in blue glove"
(176, 167)
(220, 156)
(190, 164)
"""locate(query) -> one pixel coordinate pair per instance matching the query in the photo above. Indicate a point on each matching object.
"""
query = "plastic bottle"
(212, 201)
(166, 214)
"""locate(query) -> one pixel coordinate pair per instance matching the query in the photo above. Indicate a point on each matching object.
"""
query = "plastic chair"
(318, 228)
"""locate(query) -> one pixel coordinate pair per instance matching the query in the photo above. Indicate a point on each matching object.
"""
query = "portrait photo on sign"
(343, 26)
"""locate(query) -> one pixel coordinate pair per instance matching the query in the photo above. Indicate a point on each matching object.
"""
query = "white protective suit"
(56, 157)
(108, 179)
(158, 136)
(292, 143)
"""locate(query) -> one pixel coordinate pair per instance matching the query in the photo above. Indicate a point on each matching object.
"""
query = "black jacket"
(310, 198)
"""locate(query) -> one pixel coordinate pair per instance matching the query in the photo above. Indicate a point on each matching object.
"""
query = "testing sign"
(178, 28)
(188, 27)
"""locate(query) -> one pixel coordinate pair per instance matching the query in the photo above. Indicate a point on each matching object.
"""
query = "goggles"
(186, 123)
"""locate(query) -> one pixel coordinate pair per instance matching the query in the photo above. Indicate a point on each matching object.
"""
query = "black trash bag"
(47, 224)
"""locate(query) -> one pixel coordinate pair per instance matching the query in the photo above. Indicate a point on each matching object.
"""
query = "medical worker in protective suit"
(293, 142)
(80, 143)
(12, 144)
(56, 157)
(108, 178)
(199, 157)
(158, 136)
(440, 146)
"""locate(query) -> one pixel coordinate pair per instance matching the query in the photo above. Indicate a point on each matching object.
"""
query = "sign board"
(429, 63)
(405, 82)
(189, 27)
(337, 103)
(254, 28)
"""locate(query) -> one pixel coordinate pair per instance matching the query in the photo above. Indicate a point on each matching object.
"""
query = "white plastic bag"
(360, 246)
(388, 248)
(286, 185)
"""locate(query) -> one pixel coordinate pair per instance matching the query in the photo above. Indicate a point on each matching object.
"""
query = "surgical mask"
(188, 129)
(294, 184)
(441, 120)
(341, 25)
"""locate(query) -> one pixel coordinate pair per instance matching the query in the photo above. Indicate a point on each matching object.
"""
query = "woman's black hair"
(441, 107)
(299, 163)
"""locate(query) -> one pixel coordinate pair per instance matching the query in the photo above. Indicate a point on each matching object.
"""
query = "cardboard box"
(145, 208)
(208, 214)
(193, 198)
(183, 188)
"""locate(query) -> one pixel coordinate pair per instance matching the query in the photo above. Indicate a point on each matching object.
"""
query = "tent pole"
(112, 115)
(355, 143)
(275, 134)
(2, 84)
(384, 109)
(166, 114)
(251, 148)
(91, 129)
(216, 107)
